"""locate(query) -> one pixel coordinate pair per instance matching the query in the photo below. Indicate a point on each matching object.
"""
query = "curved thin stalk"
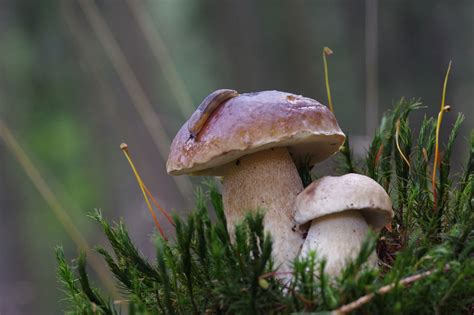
(443, 109)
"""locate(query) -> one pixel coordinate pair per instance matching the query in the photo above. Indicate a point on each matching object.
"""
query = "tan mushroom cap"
(253, 122)
(331, 194)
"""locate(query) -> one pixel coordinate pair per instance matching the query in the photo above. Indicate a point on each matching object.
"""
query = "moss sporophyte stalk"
(442, 110)
(326, 52)
(146, 192)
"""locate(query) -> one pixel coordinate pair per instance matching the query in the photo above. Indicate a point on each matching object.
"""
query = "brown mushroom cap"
(253, 122)
(330, 195)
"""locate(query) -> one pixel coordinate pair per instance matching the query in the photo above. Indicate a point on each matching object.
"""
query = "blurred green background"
(79, 77)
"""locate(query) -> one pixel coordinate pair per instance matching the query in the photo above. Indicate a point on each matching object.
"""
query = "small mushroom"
(253, 140)
(341, 211)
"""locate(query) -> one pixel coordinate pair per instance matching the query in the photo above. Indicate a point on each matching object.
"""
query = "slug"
(206, 108)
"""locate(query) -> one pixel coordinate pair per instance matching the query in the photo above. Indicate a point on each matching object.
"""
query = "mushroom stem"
(267, 180)
(338, 238)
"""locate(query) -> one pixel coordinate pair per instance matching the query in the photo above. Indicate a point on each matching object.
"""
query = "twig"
(383, 290)
(274, 274)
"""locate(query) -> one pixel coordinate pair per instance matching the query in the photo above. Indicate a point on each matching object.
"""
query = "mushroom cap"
(252, 122)
(333, 194)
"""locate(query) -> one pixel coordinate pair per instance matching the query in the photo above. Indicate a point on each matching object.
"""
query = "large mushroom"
(253, 140)
(341, 211)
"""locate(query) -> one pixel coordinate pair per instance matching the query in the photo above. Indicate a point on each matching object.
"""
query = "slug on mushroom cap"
(253, 141)
(341, 210)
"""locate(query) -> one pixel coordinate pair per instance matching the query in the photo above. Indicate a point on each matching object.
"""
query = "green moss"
(201, 271)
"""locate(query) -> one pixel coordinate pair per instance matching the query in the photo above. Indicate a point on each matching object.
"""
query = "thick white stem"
(267, 180)
(338, 238)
